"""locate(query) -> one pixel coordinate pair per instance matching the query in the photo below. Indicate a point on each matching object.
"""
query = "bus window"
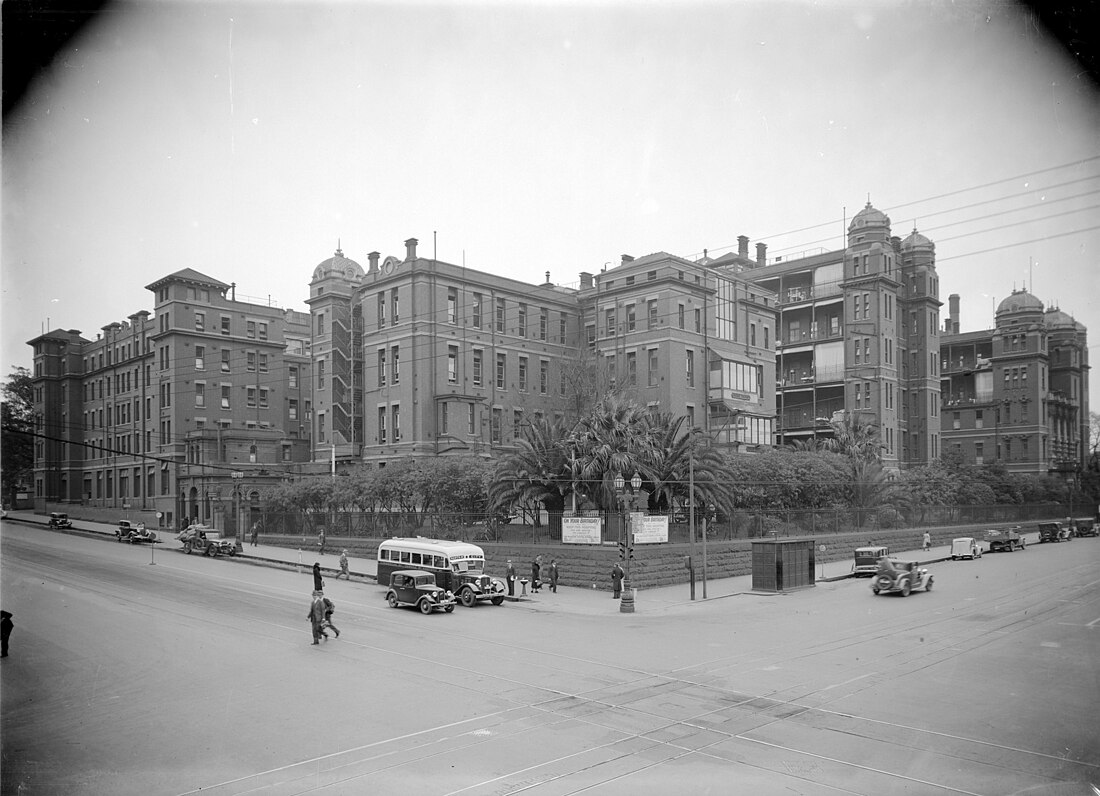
(415, 559)
(405, 555)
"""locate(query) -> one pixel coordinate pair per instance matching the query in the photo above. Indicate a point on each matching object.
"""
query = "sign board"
(581, 530)
(649, 530)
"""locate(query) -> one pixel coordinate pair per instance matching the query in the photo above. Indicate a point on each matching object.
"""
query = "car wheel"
(498, 601)
(392, 600)
(905, 589)
(187, 548)
(468, 598)
(874, 589)
(449, 608)
(425, 606)
(211, 551)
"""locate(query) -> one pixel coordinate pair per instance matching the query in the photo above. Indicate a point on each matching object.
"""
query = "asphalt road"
(197, 675)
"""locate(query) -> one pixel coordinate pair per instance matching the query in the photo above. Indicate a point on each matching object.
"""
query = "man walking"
(255, 533)
(321, 541)
(510, 576)
(316, 617)
(554, 575)
(330, 609)
(343, 567)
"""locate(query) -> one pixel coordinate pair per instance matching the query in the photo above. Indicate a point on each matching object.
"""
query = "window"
(563, 328)
(610, 322)
(395, 314)
(395, 417)
(452, 305)
(382, 425)
(857, 350)
(698, 321)
(690, 365)
(250, 360)
(452, 364)
(497, 422)
(200, 394)
(226, 328)
(517, 422)
(866, 305)
(521, 323)
(544, 322)
(200, 357)
(544, 376)
(263, 330)
(292, 377)
(651, 307)
(500, 315)
(502, 361)
(292, 409)
(631, 368)
(262, 362)
(444, 418)
(250, 329)
(680, 315)
(320, 374)
(264, 397)
(250, 395)
(226, 388)
(979, 421)
(476, 311)
(979, 453)
(752, 334)
(471, 417)
(766, 344)
(477, 367)
(652, 375)
(956, 420)
(200, 321)
(630, 318)
(381, 309)
(320, 323)
(523, 373)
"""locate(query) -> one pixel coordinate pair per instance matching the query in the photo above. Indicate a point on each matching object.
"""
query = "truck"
(1008, 539)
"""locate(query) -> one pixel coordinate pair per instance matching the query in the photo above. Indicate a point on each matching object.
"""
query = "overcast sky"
(244, 140)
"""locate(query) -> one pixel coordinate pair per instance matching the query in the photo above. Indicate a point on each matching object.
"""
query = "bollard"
(152, 546)
(299, 561)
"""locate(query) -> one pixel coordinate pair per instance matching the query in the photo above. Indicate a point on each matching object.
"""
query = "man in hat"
(316, 616)
(343, 566)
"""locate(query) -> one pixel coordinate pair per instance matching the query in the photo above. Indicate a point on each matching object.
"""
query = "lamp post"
(626, 604)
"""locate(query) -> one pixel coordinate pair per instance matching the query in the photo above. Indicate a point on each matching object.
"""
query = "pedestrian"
(321, 541)
(318, 582)
(927, 541)
(554, 575)
(510, 576)
(343, 566)
(255, 532)
(617, 580)
(536, 570)
(316, 617)
(6, 626)
(330, 609)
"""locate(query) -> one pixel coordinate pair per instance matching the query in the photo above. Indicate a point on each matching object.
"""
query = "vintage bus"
(459, 567)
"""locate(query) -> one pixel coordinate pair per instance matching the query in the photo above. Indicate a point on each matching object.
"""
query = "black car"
(1053, 532)
(59, 520)
(416, 587)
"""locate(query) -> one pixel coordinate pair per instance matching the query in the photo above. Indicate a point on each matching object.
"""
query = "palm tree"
(857, 438)
(615, 437)
(676, 456)
(537, 472)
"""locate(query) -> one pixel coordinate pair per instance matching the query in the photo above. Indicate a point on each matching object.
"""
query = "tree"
(16, 433)
(616, 437)
(537, 472)
(676, 456)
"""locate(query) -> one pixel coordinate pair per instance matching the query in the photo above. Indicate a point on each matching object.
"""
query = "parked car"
(1008, 539)
(205, 541)
(416, 587)
(134, 533)
(866, 559)
(475, 587)
(965, 547)
(1053, 532)
(59, 520)
(900, 577)
(1085, 526)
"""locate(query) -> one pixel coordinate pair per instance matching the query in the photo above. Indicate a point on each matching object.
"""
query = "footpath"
(568, 599)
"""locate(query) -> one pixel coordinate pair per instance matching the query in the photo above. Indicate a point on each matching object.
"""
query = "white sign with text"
(649, 530)
(581, 530)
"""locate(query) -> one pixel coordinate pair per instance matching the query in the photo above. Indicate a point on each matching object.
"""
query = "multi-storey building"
(1017, 393)
(180, 414)
(416, 356)
(858, 332)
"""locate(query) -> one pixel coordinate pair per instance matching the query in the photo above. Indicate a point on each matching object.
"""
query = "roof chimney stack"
(372, 259)
(627, 259)
(953, 312)
(761, 255)
(410, 249)
(586, 280)
(743, 245)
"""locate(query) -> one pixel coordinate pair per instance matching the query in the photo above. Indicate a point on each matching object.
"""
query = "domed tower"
(337, 421)
(1068, 399)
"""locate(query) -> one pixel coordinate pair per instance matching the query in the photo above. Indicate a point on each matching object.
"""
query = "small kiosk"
(782, 565)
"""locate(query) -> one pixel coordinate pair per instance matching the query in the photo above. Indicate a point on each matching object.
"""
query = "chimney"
(547, 283)
(953, 312)
(410, 249)
(372, 259)
(761, 255)
(627, 259)
(743, 245)
(586, 280)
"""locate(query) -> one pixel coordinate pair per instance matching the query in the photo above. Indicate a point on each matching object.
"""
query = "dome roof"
(338, 265)
(917, 241)
(869, 217)
(1020, 301)
(1055, 317)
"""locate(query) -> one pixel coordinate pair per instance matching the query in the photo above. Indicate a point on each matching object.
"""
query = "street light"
(626, 604)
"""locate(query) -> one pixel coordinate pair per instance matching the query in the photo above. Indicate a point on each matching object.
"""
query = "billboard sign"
(649, 530)
(581, 530)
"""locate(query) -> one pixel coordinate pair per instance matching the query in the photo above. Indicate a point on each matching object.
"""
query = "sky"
(248, 140)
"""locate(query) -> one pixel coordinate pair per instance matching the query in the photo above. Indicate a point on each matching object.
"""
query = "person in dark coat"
(617, 580)
(536, 570)
(6, 626)
(316, 617)
(554, 575)
(510, 576)
(318, 581)
(255, 532)
(330, 609)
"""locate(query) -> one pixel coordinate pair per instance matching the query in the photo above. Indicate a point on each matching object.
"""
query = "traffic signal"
(622, 549)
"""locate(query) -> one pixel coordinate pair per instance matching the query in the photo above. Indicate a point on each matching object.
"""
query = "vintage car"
(59, 520)
(205, 541)
(1085, 526)
(1008, 539)
(900, 577)
(1053, 532)
(416, 587)
(474, 587)
(965, 547)
(134, 533)
(866, 559)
